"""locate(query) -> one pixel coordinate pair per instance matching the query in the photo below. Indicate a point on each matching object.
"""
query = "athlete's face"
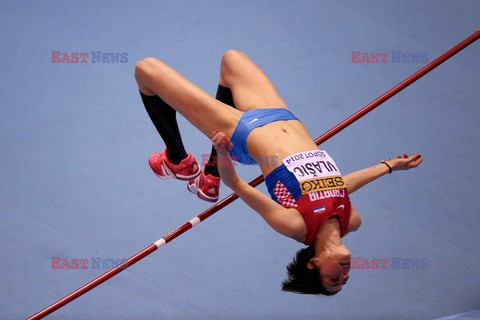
(334, 274)
(333, 268)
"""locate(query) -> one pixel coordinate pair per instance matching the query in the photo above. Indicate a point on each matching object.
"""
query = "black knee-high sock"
(165, 120)
(224, 95)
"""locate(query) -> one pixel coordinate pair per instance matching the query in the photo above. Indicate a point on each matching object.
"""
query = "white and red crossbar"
(213, 209)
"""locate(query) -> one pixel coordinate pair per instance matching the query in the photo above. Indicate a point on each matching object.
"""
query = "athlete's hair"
(301, 279)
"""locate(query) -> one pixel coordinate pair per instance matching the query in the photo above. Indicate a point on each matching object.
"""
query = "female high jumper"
(250, 123)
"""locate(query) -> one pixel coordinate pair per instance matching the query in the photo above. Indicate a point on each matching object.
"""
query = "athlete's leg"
(224, 95)
(165, 121)
(251, 88)
(207, 185)
(206, 113)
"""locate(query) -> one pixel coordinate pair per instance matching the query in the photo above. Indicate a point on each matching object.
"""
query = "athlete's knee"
(145, 66)
(232, 56)
(231, 60)
(144, 69)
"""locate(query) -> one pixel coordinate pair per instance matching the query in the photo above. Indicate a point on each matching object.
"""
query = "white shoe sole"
(170, 174)
(193, 188)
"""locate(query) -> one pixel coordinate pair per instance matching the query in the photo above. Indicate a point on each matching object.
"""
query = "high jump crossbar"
(232, 197)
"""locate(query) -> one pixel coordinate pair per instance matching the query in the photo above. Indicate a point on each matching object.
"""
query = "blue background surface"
(75, 140)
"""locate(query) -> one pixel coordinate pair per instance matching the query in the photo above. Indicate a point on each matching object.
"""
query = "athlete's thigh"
(199, 108)
(250, 86)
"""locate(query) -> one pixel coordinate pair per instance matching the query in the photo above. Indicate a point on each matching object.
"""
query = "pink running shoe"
(187, 169)
(206, 187)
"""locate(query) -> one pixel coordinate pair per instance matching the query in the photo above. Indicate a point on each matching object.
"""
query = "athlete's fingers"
(217, 137)
(221, 142)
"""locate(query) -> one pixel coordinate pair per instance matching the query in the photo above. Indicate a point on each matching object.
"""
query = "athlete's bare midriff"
(277, 140)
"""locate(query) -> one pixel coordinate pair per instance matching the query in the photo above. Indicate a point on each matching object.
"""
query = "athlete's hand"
(405, 162)
(222, 144)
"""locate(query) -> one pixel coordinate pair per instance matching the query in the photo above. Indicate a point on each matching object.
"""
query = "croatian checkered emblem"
(284, 196)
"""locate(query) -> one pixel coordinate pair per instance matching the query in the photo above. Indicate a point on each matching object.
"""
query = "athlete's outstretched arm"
(285, 221)
(358, 179)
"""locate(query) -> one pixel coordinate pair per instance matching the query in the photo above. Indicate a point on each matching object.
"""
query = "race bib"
(315, 171)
